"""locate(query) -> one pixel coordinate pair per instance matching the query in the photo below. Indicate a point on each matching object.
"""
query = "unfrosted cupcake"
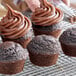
(12, 58)
(47, 20)
(15, 27)
(68, 41)
(44, 50)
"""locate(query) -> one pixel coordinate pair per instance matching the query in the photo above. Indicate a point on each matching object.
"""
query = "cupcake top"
(47, 15)
(69, 36)
(11, 51)
(44, 44)
(14, 25)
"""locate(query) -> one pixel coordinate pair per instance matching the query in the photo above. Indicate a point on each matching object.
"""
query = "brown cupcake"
(44, 50)
(68, 41)
(12, 58)
(15, 27)
(47, 20)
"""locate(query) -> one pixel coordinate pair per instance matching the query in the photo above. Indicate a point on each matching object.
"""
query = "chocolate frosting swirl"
(14, 25)
(47, 15)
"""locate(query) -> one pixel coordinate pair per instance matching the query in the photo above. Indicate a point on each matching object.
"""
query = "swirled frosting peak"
(14, 25)
(47, 15)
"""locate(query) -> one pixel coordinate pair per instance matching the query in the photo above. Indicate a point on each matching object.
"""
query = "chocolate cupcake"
(44, 50)
(12, 58)
(47, 20)
(15, 27)
(68, 41)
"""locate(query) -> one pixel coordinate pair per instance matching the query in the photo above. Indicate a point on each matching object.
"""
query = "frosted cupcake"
(47, 20)
(15, 27)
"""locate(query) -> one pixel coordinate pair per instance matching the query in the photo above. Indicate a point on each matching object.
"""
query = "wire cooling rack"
(66, 66)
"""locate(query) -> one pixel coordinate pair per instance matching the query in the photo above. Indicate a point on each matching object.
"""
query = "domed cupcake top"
(69, 36)
(47, 15)
(10, 51)
(14, 25)
(44, 44)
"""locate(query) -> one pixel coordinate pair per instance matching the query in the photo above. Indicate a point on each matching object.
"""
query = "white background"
(73, 1)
